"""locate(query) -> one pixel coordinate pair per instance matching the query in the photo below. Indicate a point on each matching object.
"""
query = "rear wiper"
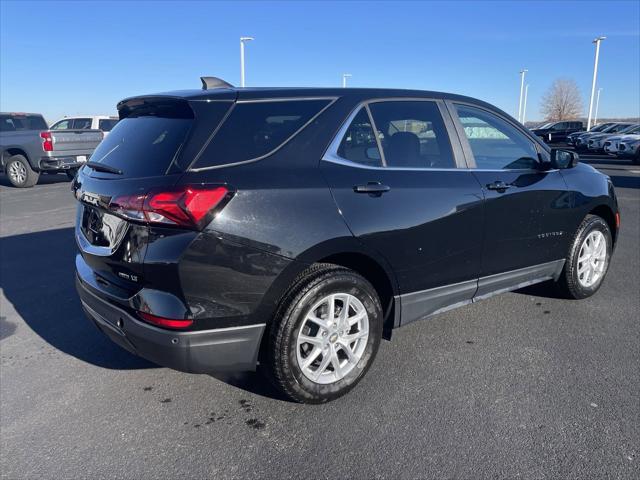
(101, 167)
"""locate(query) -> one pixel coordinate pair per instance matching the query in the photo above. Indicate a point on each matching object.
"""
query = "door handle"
(498, 185)
(374, 189)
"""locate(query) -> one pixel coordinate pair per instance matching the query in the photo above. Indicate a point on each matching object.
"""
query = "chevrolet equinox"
(292, 229)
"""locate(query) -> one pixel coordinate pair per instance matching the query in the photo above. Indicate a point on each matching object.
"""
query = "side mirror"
(562, 159)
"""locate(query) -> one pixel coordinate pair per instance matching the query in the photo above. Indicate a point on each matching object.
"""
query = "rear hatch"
(75, 142)
(129, 206)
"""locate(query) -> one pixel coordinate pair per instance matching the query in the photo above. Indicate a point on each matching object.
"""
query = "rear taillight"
(189, 206)
(47, 141)
(174, 323)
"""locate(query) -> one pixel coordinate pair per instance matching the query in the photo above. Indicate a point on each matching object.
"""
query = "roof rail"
(214, 82)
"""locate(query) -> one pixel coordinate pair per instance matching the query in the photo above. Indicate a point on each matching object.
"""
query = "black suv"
(557, 132)
(224, 228)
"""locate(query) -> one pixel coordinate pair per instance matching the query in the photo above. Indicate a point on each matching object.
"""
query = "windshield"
(546, 125)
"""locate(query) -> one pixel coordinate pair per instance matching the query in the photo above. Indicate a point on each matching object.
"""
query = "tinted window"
(82, 124)
(495, 143)
(412, 134)
(12, 123)
(143, 146)
(560, 126)
(255, 129)
(359, 142)
(62, 125)
(107, 124)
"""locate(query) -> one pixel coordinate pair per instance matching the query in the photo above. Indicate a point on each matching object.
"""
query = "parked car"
(595, 143)
(295, 228)
(630, 148)
(28, 148)
(557, 132)
(572, 138)
(582, 140)
(612, 143)
(87, 122)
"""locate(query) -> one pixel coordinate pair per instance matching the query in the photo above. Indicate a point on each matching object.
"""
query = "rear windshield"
(255, 129)
(143, 146)
(12, 123)
(106, 125)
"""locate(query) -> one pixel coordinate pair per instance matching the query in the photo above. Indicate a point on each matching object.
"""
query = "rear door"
(526, 207)
(396, 180)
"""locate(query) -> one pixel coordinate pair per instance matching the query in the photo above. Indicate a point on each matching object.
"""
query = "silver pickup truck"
(28, 148)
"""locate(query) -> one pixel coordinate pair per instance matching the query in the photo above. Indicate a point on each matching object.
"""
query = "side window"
(560, 126)
(62, 125)
(255, 129)
(412, 134)
(359, 142)
(82, 124)
(494, 142)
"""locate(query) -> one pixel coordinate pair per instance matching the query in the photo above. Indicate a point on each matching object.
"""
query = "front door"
(396, 181)
(525, 205)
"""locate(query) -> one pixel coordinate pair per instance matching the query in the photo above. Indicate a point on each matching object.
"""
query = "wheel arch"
(347, 252)
(606, 213)
(9, 152)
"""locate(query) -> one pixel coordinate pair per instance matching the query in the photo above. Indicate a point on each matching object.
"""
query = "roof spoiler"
(214, 82)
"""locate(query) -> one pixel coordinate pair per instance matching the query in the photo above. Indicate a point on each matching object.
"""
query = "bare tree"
(562, 101)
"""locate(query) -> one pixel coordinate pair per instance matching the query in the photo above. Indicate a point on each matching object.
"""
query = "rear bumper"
(62, 163)
(204, 351)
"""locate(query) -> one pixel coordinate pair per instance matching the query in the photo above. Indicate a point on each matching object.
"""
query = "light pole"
(595, 117)
(595, 76)
(522, 73)
(242, 40)
(524, 108)
(344, 79)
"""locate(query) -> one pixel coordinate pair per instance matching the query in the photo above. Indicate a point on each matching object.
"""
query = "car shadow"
(37, 277)
(620, 181)
(543, 290)
(46, 179)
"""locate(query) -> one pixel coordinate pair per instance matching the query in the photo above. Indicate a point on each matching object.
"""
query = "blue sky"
(65, 58)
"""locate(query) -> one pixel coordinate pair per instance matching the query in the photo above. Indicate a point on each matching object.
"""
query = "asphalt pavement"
(521, 385)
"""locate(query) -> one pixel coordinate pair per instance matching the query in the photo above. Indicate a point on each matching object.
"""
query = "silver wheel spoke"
(326, 360)
(315, 353)
(592, 259)
(317, 341)
(335, 361)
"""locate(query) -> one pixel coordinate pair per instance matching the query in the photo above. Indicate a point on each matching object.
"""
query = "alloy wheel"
(17, 172)
(332, 338)
(592, 259)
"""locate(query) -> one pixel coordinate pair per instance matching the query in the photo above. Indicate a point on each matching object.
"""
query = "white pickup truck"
(86, 122)
(28, 148)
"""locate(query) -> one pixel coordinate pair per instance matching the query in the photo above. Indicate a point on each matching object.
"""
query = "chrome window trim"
(331, 152)
(331, 100)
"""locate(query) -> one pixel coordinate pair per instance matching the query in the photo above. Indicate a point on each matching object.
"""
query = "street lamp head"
(524, 70)
(347, 75)
(598, 39)
(246, 39)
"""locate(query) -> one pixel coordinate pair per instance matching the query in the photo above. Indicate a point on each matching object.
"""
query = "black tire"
(311, 287)
(71, 173)
(636, 159)
(20, 173)
(570, 284)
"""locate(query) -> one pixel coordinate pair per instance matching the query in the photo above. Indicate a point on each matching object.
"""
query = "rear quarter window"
(107, 124)
(256, 129)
